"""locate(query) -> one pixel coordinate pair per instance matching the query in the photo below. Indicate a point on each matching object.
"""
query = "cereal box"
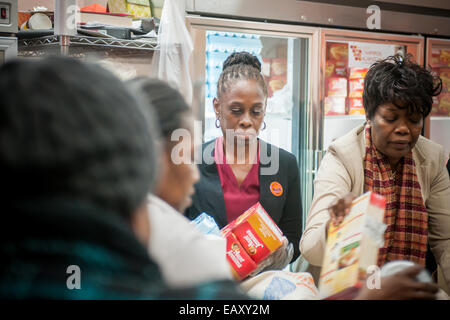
(356, 88)
(256, 232)
(356, 106)
(334, 106)
(241, 263)
(357, 73)
(336, 87)
(352, 247)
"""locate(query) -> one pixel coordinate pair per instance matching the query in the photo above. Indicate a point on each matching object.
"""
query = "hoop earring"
(217, 124)
(264, 128)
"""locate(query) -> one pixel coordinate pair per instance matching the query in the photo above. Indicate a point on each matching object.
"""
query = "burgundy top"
(237, 199)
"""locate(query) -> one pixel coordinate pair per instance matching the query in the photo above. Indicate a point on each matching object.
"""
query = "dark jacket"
(41, 239)
(285, 210)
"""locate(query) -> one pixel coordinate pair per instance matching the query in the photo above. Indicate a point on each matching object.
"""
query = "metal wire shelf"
(89, 41)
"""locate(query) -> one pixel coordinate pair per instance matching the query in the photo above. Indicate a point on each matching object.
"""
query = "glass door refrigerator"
(290, 66)
(437, 126)
(345, 59)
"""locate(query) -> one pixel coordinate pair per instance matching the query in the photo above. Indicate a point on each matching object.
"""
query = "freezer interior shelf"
(89, 41)
(347, 117)
(445, 118)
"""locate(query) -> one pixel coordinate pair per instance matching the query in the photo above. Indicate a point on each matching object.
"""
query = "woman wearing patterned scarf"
(387, 155)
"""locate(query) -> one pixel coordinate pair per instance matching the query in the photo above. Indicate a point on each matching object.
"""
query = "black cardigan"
(285, 210)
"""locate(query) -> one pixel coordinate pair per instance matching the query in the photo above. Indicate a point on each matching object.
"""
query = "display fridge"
(437, 126)
(290, 66)
(346, 57)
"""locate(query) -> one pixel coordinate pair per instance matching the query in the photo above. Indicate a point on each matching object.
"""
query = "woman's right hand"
(401, 286)
(339, 209)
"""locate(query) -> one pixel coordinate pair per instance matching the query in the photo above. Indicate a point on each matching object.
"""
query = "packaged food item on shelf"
(356, 106)
(352, 247)
(444, 104)
(335, 68)
(444, 74)
(337, 51)
(435, 56)
(444, 57)
(336, 59)
(355, 88)
(335, 106)
(357, 73)
(336, 87)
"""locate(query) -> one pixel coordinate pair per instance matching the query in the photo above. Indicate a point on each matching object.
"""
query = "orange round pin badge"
(276, 189)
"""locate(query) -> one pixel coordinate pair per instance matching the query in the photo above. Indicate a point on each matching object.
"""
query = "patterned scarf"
(405, 216)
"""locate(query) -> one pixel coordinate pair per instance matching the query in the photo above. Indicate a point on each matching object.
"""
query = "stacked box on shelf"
(336, 78)
(440, 61)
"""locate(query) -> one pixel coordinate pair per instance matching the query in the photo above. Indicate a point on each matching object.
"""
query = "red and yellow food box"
(336, 87)
(241, 263)
(444, 74)
(336, 59)
(335, 68)
(356, 106)
(352, 247)
(444, 58)
(335, 106)
(337, 51)
(444, 104)
(256, 232)
(356, 88)
(357, 73)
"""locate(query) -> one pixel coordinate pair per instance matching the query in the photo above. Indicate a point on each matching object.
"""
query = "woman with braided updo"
(238, 174)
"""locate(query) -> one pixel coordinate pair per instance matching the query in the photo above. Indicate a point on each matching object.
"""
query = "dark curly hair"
(400, 81)
(240, 66)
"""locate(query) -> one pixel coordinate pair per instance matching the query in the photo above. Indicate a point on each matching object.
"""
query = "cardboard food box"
(137, 8)
(256, 232)
(352, 247)
(241, 263)
(335, 68)
(337, 51)
(356, 106)
(355, 88)
(336, 87)
(357, 73)
(335, 106)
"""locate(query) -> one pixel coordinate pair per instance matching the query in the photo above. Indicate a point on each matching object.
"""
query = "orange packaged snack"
(356, 106)
(336, 87)
(335, 106)
(356, 88)
(357, 73)
(256, 232)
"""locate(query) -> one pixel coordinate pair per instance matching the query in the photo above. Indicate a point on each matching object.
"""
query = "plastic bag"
(206, 224)
(277, 260)
(171, 62)
(281, 285)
